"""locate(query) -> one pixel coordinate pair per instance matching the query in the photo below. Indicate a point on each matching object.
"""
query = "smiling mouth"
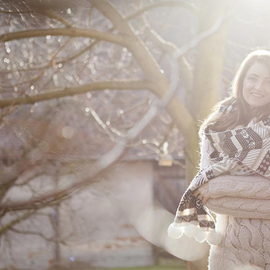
(257, 95)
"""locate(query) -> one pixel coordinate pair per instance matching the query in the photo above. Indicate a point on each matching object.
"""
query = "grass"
(163, 267)
(163, 263)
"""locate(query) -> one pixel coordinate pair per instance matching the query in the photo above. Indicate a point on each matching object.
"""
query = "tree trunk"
(206, 89)
(209, 59)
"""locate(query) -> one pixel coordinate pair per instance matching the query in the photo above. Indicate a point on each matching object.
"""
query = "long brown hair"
(242, 114)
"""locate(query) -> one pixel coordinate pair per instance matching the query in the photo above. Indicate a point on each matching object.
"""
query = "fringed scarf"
(242, 151)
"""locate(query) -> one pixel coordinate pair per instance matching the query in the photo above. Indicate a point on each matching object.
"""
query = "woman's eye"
(251, 78)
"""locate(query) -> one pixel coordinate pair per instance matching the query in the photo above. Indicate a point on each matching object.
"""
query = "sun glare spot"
(67, 132)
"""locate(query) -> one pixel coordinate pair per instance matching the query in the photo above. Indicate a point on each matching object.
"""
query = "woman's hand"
(203, 193)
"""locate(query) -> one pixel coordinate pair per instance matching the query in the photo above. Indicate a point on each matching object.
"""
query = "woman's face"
(256, 85)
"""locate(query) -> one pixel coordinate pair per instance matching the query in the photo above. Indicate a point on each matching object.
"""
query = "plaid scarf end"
(192, 231)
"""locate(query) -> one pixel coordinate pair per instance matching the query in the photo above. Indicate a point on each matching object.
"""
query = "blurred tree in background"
(80, 80)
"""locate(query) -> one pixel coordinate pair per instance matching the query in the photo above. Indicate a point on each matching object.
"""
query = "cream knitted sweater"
(242, 207)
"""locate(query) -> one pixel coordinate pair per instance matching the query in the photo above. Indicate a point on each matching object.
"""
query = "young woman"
(234, 180)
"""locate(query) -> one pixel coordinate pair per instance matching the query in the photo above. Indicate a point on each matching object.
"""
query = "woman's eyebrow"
(253, 74)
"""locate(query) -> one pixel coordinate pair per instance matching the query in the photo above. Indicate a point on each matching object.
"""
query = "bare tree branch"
(96, 86)
(149, 66)
(56, 17)
(103, 163)
(29, 232)
(45, 12)
(71, 32)
(171, 48)
(184, 5)
(15, 221)
(62, 61)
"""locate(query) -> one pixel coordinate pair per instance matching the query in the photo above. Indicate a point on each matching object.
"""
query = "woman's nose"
(259, 85)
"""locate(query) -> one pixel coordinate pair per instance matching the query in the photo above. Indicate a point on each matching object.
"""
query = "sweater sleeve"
(240, 196)
(240, 208)
(249, 186)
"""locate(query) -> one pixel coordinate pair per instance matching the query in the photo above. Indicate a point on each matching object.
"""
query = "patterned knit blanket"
(241, 151)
